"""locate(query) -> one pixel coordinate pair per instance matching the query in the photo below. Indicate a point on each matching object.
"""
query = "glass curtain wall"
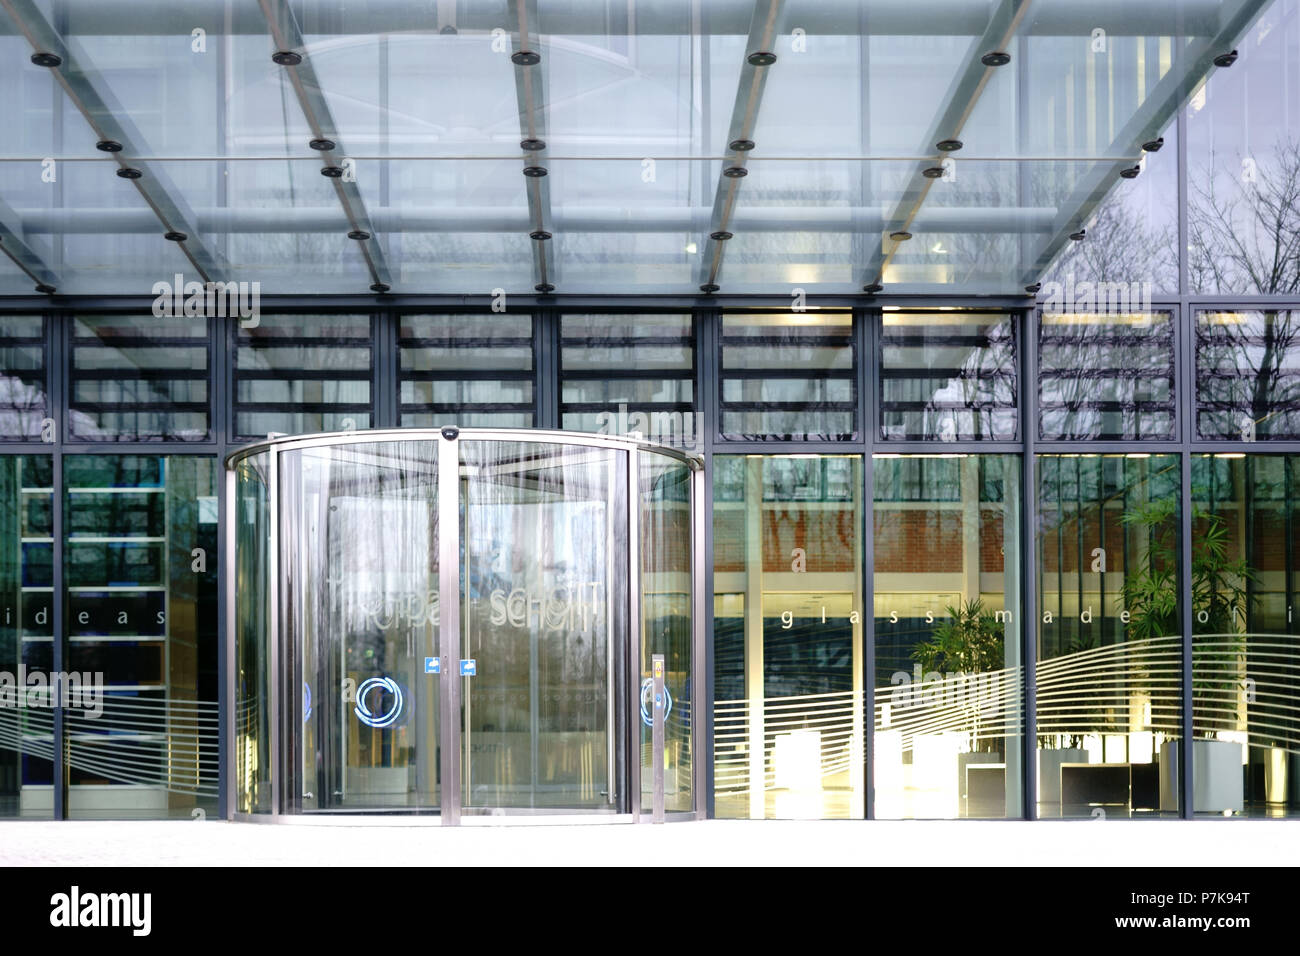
(789, 732)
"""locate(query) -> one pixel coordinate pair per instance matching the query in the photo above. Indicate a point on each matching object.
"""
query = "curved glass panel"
(252, 737)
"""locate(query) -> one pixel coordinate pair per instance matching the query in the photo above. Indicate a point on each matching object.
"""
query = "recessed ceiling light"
(535, 172)
(996, 58)
(526, 58)
(286, 58)
(544, 287)
(933, 172)
(532, 145)
(109, 146)
(333, 172)
(720, 236)
(761, 58)
(735, 172)
(359, 234)
(1153, 145)
(174, 236)
(709, 287)
(1078, 236)
(741, 145)
(541, 235)
(129, 172)
(322, 145)
(900, 235)
(948, 145)
(47, 59)
(380, 287)
(873, 288)
(1226, 59)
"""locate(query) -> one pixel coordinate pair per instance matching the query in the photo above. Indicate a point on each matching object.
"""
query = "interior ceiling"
(575, 146)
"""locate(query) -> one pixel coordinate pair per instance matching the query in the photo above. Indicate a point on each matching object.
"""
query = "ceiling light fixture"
(720, 236)
(948, 145)
(1153, 145)
(900, 235)
(933, 172)
(174, 236)
(996, 58)
(380, 287)
(1131, 172)
(322, 145)
(535, 172)
(532, 145)
(286, 58)
(525, 58)
(873, 288)
(761, 58)
(108, 146)
(1225, 59)
(741, 145)
(129, 172)
(709, 287)
(50, 60)
(541, 235)
(360, 235)
(1078, 236)
(1033, 289)
(332, 172)
(544, 287)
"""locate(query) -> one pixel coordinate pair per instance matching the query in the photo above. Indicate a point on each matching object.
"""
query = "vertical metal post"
(449, 623)
(701, 674)
(657, 746)
(636, 633)
(1029, 560)
(1186, 778)
(275, 724)
(60, 747)
(227, 773)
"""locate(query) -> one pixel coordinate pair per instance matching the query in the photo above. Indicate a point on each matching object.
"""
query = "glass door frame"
(451, 809)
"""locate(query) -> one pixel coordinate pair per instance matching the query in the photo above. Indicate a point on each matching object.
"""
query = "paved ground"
(1079, 843)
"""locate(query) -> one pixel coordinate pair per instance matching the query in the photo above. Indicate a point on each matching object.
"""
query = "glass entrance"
(453, 622)
(544, 606)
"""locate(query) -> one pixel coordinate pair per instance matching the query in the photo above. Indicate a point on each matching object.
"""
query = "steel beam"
(287, 38)
(765, 26)
(530, 90)
(963, 93)
(86, 89)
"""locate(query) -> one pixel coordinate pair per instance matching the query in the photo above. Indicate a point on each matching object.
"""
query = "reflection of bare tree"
(1120, 247)
(1244, 237)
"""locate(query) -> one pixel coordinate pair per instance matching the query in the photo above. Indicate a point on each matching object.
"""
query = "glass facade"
(995, 386)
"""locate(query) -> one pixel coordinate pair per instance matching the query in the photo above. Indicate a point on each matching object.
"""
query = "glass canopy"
(577, 146)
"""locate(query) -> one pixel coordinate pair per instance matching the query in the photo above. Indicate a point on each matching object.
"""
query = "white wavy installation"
(1247, 685)
(152, 742)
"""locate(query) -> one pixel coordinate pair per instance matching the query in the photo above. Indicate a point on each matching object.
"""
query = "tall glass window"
(1109, 681)
(1248, 375)
(787, 636)
(621, 374)
(140, 574)
(948, 636)
(1246, 635)
(1106, 377)
(22, 377)
(139, 378)
(790, 377)
(26, 634)
(298, 374)
(467, 370)
(947, 376)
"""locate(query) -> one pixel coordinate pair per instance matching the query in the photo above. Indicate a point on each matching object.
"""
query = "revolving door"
(460, 623)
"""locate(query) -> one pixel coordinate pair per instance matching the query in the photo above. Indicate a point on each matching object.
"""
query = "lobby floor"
(714, 842)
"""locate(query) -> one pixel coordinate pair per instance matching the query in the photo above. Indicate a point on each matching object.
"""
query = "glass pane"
(790, 377)
(303, 374)
(1243, 157)
(466, 370)
(947, 377)
(1109, 643)
(787, 637)
(137, 379)
(360, 564)
(1245, 644)
(624, 374)
(949, 671)
(22, 376)
(141, 556)
(543, 618)
(26, 634)
(666, 592)
(1248, 375)
(1106, 377)
(252, 585)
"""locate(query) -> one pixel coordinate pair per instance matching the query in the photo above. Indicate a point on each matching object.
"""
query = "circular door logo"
(378, 718)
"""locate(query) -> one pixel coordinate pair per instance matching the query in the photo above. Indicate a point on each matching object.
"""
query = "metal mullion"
(449, 595)
(708, 382)
(1186, 778)
(1029, 564)
(864, 328)
(58, 626)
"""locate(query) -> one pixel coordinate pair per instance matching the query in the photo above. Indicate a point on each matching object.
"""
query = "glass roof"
(579, 146)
